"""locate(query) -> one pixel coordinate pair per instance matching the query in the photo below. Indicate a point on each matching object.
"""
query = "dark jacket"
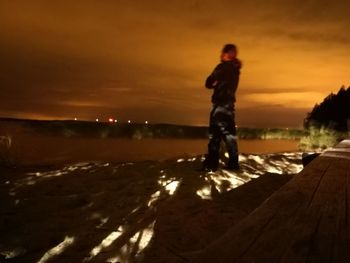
(224, 80)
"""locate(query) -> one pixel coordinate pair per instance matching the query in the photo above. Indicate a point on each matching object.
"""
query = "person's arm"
(213, 79)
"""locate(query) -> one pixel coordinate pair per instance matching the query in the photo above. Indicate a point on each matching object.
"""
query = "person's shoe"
(207, 169)
(233, 163)
(209, 164)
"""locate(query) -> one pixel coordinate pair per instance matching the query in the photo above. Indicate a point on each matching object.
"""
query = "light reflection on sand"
(125, 240)
(57, 250)
(134, 246)
(252, 166)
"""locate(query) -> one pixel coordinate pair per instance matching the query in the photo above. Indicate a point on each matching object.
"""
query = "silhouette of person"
(223, 81)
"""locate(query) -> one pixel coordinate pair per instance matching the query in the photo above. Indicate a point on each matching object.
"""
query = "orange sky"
(143, 60)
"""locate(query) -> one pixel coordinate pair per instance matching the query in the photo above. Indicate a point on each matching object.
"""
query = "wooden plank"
(279, 209)
(307, 220)
(315, 228)
(296, 230)
(341, 247)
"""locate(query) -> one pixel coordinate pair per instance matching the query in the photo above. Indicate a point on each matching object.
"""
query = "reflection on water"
(49, 149)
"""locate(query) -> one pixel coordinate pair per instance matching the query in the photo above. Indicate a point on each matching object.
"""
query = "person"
(223, 81)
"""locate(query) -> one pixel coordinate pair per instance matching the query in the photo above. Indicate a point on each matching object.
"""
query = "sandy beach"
(149, 211)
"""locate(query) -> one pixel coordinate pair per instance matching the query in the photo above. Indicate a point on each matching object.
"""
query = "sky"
(147, 60)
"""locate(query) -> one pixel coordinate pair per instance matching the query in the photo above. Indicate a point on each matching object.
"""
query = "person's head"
(229, 52)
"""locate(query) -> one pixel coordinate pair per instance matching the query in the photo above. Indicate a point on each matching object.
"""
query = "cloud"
(282, 116)
(292, 99)
(106, 57)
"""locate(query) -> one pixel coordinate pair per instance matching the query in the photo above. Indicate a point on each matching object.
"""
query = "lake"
(30, 149)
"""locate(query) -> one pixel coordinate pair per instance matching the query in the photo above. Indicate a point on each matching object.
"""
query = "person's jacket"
(224, 80)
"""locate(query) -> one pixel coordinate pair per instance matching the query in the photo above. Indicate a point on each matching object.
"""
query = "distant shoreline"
(77, 128)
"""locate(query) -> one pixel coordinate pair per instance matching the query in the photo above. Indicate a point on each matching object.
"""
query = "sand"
(148, 211)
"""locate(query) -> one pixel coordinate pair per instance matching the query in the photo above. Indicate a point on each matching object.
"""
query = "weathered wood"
(307, 220)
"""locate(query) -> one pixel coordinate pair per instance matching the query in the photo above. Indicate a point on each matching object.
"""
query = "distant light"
(110, 120)
(129, 121)
(96, 120)
(75, 119)
(146, 122)
(115, 121)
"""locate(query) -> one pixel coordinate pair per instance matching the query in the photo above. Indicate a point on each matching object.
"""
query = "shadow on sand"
(131, 212)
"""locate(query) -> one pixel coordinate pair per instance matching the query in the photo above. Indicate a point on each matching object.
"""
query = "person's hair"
(229, 47)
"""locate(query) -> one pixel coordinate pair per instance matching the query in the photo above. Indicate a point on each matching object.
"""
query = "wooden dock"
(307, 220)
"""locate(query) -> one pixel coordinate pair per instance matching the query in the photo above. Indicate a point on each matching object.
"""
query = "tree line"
(333, 112)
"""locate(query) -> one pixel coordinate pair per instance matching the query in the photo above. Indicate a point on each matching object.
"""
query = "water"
(51, 149)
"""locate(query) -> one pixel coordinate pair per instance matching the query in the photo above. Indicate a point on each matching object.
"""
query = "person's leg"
(214, 149)
(212, 159)
(228, 131)
(232, 149)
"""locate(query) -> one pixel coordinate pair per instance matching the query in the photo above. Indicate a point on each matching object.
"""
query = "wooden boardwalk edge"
(307, 220)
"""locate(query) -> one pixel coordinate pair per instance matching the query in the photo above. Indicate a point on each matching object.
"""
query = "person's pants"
(222, 127)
